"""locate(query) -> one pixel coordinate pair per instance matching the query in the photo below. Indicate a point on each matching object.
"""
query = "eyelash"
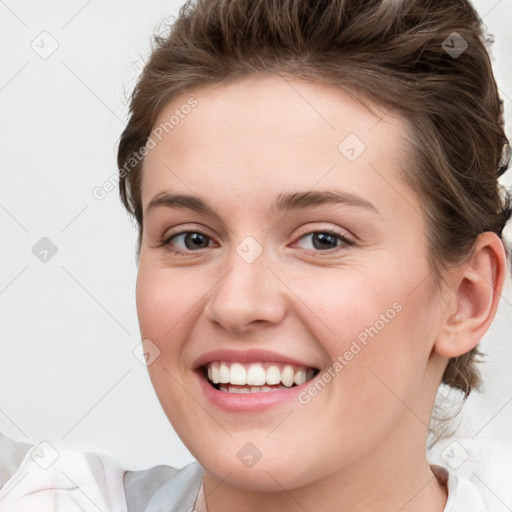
(345, 242)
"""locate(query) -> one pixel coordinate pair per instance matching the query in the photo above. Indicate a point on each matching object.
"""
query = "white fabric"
(483, 480)
(73, 482)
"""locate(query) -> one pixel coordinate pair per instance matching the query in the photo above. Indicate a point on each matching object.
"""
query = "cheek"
(156, 308)
(374, 326)
(165, 309)
(346, 303)
(164, 300)
(394, 361)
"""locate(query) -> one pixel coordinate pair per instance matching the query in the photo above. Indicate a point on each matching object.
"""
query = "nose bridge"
(248, 291)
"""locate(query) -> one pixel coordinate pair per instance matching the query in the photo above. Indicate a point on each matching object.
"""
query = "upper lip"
(247, 356)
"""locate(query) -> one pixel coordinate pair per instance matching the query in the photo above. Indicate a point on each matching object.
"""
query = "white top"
(43, 479)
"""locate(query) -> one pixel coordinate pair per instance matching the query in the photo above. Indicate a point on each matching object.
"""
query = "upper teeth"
(257, 374)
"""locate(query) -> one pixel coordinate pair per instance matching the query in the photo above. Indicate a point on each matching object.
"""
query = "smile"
(256, 377)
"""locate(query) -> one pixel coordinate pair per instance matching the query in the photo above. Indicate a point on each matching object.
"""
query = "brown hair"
(425, 59)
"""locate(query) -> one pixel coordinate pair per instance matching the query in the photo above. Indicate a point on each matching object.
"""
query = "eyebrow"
(297, 200)
(285, 202)
(180, 201)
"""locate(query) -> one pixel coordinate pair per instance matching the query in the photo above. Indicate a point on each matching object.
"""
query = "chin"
(268, 474)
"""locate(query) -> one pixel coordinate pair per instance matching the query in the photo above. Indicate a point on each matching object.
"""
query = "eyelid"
(185, 228)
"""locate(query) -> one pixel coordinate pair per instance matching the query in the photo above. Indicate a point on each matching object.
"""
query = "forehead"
(269, 134)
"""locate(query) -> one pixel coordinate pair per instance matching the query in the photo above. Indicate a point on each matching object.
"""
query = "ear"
(476, 288)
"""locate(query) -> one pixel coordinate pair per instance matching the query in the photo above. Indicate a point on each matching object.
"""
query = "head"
(335, 165)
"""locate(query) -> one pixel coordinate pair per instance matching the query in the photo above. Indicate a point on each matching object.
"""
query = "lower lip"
(248, 402)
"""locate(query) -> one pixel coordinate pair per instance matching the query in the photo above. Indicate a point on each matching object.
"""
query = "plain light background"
(68, 374)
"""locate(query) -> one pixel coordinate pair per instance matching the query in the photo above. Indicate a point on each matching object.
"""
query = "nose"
(248, 295)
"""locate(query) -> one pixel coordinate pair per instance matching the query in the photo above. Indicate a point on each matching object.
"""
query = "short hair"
(423, 59)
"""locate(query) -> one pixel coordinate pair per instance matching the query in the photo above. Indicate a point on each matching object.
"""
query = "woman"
(320, 247)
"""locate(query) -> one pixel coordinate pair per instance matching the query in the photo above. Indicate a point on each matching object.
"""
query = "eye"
(188, 241)
(323, 240)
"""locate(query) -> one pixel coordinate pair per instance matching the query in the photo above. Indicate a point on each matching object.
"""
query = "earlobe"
(477, 288)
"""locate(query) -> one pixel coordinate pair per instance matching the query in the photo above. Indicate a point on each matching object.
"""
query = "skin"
(359, 444)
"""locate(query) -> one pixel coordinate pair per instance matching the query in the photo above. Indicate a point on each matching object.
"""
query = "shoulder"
(43, 478)
(479, 474)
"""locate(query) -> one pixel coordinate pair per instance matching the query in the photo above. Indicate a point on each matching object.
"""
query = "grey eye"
(321, 241)
(190, 240)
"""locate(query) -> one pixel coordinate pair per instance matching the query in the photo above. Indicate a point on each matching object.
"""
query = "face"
(284, 285)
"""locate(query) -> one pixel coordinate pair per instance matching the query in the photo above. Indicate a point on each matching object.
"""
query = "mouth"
(256, 377)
